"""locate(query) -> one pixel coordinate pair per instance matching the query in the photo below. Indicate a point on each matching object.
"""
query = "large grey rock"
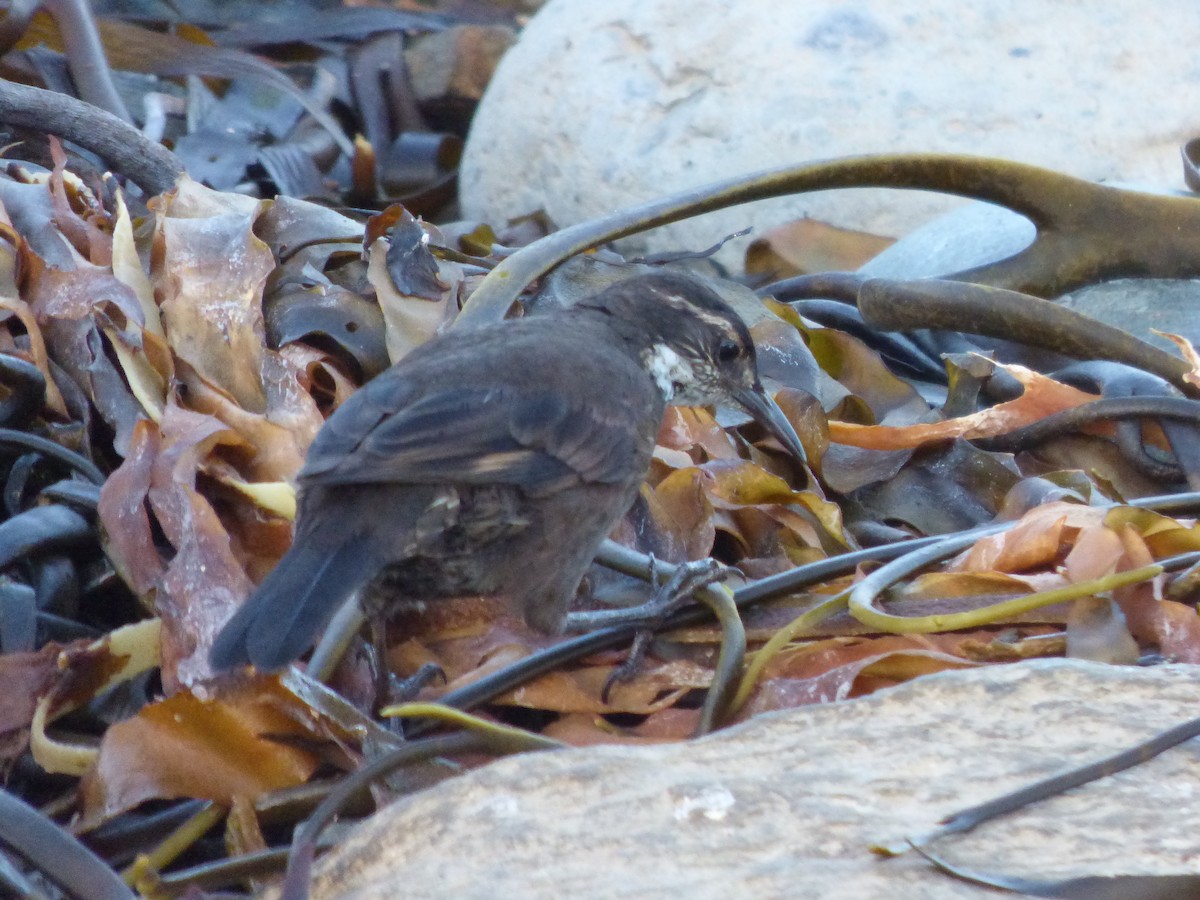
(603, 105)
(788, 804)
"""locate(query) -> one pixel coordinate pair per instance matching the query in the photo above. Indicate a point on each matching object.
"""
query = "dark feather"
(294, 602)
(491, 435)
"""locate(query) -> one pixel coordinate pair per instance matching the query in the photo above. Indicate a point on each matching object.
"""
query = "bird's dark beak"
(756, 402)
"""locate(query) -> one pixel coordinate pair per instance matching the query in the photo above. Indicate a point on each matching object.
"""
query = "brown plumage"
(495, 460)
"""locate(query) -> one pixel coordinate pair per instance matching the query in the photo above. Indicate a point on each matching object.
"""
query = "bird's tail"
(282, 618)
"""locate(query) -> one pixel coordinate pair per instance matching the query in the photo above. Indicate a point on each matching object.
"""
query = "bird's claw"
(684, 581)
(402, 690)
(687, 578)
(633, 663)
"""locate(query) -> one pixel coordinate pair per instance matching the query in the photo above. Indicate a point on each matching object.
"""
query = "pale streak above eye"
(716, 320)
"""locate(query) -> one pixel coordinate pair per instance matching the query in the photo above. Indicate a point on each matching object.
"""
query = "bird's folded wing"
(495, 435)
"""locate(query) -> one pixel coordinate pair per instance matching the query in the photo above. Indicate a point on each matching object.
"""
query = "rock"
(1142, 306)
(980, 233)
(788, 804)
(604, 105)
(970, 236)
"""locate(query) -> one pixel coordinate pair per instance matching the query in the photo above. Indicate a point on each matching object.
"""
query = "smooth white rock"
(605, 105)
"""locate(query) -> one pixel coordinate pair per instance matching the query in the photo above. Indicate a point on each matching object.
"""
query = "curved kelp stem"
(57, 853)
(1086, 232)
(862, 598)
(149, 165)
(893, 305)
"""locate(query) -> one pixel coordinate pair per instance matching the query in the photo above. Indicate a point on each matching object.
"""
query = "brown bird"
(495, 460)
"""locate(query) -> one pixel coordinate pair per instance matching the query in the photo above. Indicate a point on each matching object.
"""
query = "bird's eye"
(727, 351)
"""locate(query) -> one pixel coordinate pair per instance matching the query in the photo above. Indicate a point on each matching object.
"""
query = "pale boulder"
(603, 105)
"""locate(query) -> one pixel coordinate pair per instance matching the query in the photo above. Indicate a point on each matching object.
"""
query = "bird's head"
(693, 345)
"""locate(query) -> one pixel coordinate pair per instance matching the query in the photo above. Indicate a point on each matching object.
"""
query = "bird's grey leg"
(381, 672)
(675, 593)
(389, 687)
(685, 580)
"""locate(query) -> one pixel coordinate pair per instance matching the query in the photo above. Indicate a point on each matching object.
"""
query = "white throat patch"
(667, 368)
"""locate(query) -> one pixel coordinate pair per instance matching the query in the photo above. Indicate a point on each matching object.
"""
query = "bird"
(495, 459)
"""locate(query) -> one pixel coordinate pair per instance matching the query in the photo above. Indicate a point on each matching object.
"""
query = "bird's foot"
(402, 690)
(390, 689)
(668, 597)
(676, 591)
(685, 580)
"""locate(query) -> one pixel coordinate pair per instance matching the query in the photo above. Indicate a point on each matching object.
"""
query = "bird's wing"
(495, 435)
